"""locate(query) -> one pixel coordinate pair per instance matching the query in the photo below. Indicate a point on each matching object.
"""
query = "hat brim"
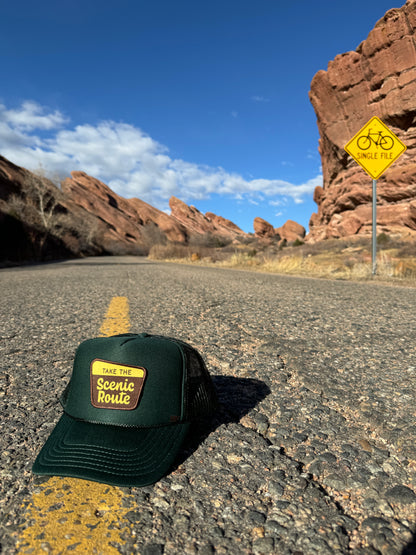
(115, 455)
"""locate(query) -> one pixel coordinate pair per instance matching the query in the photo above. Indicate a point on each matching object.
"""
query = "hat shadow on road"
(236, 398)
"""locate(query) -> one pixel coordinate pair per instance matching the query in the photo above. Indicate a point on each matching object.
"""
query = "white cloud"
(258, 98)
(279, 202)
(127, 159)
(31, 115)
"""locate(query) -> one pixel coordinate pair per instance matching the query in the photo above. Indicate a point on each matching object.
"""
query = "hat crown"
(127, 380)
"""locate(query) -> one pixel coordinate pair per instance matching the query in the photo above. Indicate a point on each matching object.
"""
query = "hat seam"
(185, 390)
(122, 425)
(71, 458)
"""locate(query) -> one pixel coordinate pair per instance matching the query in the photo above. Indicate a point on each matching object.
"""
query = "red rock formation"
(196, 222)
(99, 221)
(263, 229)
(37, 221)
(220, 223)
(129, 221)
(149, 215)
(122, 226)
(378, 79)
(291, 231)
(11, 178)
(118, 225)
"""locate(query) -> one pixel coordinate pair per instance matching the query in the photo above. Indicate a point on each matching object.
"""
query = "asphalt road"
(313, 448)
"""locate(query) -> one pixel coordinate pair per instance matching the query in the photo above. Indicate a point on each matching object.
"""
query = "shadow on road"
(78, 262)
(236, 396)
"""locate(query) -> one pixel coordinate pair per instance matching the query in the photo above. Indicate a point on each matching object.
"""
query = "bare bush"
(37, 206)
(209, 240)
(44, 196)
(407, 249)
(81, 232)
(152, 235)
(169, 251)
(41, 206)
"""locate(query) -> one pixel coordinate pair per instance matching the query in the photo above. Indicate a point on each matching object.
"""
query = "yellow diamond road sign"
(375, 147)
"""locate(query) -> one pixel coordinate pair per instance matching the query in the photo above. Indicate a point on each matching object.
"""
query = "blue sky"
(204, 100)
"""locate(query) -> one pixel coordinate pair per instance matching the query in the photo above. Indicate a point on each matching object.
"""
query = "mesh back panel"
(200, 396)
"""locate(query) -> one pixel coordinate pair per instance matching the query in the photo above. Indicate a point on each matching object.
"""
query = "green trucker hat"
(127, 410)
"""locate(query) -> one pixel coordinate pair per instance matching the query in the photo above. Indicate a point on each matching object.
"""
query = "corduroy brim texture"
(119, 456)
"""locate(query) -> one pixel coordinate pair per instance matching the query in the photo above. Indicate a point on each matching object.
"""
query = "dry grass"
(335, 259)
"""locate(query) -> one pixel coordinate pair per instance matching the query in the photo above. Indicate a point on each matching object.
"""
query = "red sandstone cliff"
(378, 79)
(90, 218)
(128, 221)
(288, 232)
(196, 222)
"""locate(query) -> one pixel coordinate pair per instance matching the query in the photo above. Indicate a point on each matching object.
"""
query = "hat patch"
(115, 386)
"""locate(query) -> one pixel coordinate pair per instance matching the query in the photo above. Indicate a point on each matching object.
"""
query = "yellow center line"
(117, 319)
(68, 515)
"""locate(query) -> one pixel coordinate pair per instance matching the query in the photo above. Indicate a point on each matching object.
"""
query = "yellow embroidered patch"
(115, 386)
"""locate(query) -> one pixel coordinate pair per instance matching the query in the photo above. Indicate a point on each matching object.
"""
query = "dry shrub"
(335, 259)
(241, 259)
(405, 269)
(209, 240)
(181, 253)
(115, 248)
(407, 249)
(170, 251)
(283, 264)
(152, 235)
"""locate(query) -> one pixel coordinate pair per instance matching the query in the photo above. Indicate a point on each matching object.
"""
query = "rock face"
(288, 232)
(291, 231)
(128, 222)
(11, 178)
(89, 218)
(263, 229)
(37, 221)
(196, 222)
(378, 79)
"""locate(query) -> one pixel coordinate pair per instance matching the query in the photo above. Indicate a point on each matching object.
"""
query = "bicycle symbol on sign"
(385, 141)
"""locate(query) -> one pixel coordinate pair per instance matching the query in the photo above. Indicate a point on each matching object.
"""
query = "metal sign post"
(375, 147)
(374, 256)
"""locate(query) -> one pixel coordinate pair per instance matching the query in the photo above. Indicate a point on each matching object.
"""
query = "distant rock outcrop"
(129, 222)
(196, 222)
(378, 79)
(291, 231)
(288, 232)
(90, 218)
(263, 229)
(85, 217)
(120, 225)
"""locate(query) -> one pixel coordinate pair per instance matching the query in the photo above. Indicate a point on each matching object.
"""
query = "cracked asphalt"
(312, 449)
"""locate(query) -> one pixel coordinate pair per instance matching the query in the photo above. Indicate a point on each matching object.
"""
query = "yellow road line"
(67, 515)
(117, 319)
